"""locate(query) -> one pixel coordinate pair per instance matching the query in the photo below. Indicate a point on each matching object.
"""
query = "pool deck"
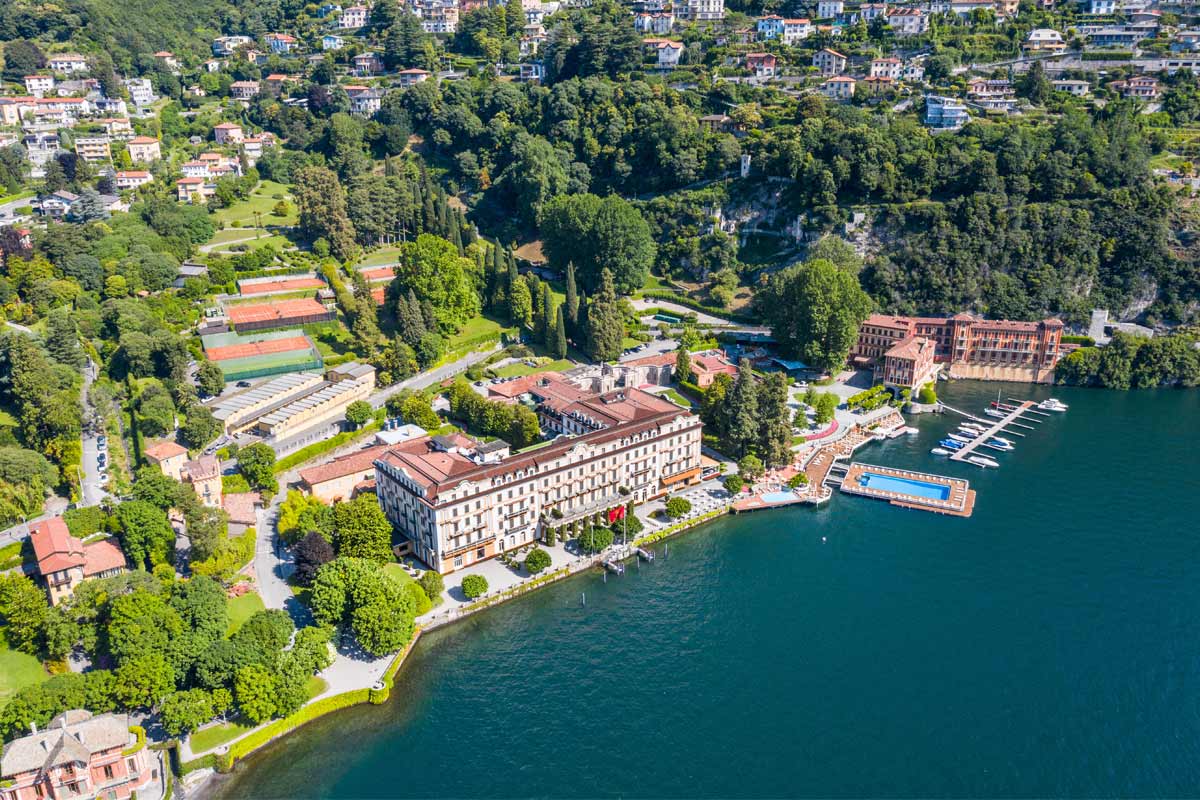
(757, 502)
(960, 503)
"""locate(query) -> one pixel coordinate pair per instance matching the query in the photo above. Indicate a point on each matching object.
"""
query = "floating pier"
(644, 554)
(615, 567)
(995, 425)
(908, 489)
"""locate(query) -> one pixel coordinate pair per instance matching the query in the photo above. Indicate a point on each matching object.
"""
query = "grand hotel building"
(459, 502)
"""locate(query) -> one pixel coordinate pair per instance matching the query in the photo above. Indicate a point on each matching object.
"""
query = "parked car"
(243, 384)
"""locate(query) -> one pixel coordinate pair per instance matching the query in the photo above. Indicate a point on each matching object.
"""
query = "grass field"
(396, 572)
(277, 241)
(17, 670)
(261, 201)
(217, 735)
(676, 397)
(241, 609)
(384, 255)
(476, 327)
(315, 685)
(516, 370)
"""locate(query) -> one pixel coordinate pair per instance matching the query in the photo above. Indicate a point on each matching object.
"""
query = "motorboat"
(991, 412)
(983, 461)
(940, 451)
(1053, 404)
(1000, 444)
(951, 444)
(909, 430)
(972, 434)
(973, 426)
(957, 438)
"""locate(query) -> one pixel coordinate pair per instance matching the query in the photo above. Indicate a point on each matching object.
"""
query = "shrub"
(797, 480)
(474, 586)
(537, 560)
(734, 484)
(431, 581)
(593, 539)
(677, 507)
(927, 395)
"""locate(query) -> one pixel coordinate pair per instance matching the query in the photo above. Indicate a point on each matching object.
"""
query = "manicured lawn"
(396, 572)
(521, 368)
(235, 234)
(384, 255)
(242, 608)
(476, 327)
(217, 735)
(260, 200)
(628, 342)
(17, 670)
(276, 241)
(315, 685)
(676, 397)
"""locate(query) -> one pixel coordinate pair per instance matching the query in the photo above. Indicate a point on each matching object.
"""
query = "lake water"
(1049, 645)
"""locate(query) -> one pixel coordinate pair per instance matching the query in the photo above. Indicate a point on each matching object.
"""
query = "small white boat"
(968, 432)
(911, 431)
(991, 412)
(983, 461)
(1000, 447)
(973, 426)
(1053, 404)
(958, 438)
(940, 451)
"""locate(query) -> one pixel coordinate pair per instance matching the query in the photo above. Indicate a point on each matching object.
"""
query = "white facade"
(827, 9)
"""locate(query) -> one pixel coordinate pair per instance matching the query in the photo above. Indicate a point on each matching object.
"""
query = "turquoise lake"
(1047, 646)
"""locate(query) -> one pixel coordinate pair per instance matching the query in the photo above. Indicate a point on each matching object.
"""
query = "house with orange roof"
(64, 562)
(708, 365)
(169, 457)
(342, 478)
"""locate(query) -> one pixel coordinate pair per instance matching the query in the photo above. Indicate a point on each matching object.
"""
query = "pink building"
(78, 755)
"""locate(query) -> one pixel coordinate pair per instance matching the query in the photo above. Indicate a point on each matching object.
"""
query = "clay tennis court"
(378, 273)
(283, 285)
(250, 349)
(378, 295)
(298, 311)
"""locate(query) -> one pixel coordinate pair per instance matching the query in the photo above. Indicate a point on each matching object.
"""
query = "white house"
(886, 68)
(828, 9)
(353, 17)
(795, 30)
(1045, 40)
(39, 85)
(829, 62)
(331, 42)
(839, 87)
(132, 178)
(67, 62)
(908, 21)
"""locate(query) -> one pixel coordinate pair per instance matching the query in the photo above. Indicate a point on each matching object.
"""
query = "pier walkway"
(996, 425)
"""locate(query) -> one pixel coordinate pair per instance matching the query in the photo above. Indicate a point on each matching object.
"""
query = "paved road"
(93, 490)
(424, 379)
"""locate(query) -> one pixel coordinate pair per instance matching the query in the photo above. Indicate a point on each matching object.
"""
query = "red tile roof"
(161, 451)
(341, 467)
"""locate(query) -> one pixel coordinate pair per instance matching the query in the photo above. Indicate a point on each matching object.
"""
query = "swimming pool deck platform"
(758, 502)
(959, 503)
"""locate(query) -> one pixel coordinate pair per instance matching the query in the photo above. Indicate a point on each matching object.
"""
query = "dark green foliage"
(605, 324)
(474, 586)
(536, 560)
(677, 507)
(593, 234)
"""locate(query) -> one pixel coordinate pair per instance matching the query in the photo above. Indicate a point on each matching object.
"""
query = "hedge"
(139, 740)
(270, 273)
(256, 739)
(324, 446)
(1082, 341)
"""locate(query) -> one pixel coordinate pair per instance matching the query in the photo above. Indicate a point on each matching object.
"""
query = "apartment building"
(77, 755)
(39, 85)
(68, 63)
(141, 91)
(966, 340)
(705, 10)
(93, 149)
(459, 502)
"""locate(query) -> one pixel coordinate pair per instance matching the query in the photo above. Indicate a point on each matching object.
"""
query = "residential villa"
(908, 21)
(228, 133)
(909, 364)
(887, 68)
(763, 65)
(458, 502)
(144, 149)
(839, 87)
(78, 755)
(131, 178)
(411, 77)
(971, 346)
(829, 62)
(169, 457)
(1045, 40)
(204, 474)
(64, 561)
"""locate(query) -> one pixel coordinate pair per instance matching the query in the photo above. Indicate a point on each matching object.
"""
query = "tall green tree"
(743, 410)
(322, 205)
(775, 430)
(814, 310)
(599, 233)
(605, 326)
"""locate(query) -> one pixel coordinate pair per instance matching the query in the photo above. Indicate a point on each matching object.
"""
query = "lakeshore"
(1033, 637)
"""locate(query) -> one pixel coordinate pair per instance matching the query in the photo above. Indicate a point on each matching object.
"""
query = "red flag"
(620, 512)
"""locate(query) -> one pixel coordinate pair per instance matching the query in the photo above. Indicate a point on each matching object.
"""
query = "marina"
(1006, 416)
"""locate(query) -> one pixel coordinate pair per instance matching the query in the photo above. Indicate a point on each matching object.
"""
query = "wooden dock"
(997, 424)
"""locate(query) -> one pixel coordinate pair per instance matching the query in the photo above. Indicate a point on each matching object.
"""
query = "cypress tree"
(548, 316)
(428, 316)
(683, 364)
(572, 298)
(560, 334)
(605, 327)
(742, 406)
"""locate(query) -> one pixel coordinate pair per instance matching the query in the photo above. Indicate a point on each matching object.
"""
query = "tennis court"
(253, 349)
(297, 311)
(378, 274)
(281, 285)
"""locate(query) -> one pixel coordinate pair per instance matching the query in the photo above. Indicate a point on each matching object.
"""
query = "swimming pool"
(779, 497)
(890, 483)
